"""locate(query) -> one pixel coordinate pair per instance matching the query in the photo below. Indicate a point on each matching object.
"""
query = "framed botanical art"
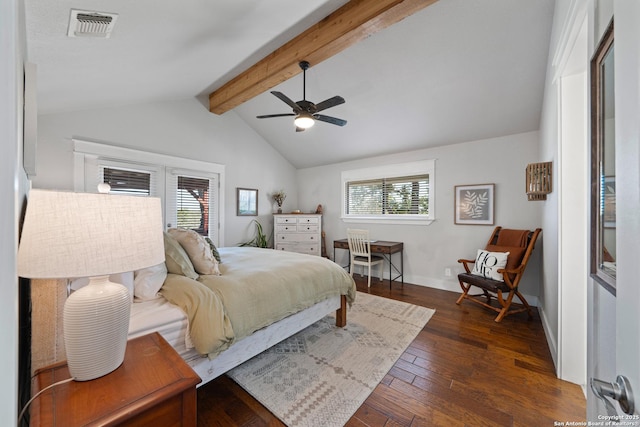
(474, 204)
(247, 202)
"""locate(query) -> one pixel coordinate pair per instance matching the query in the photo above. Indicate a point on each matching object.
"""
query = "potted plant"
(260, 240)
(279, 197)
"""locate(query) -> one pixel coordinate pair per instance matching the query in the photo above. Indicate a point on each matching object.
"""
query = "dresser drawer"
(307, 228)
(296, 237)
(287, 228)
(286, 220)
(301, 248)
(308, 220)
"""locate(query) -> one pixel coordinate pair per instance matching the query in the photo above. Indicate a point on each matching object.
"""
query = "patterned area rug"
(320, 376)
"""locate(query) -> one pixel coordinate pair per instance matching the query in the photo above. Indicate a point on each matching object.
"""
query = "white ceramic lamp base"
(96, 325)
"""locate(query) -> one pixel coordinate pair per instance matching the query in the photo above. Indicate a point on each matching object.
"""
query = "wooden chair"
(360, 252)
(519, 244)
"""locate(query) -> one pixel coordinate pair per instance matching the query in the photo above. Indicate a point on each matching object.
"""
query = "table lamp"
(67, 235)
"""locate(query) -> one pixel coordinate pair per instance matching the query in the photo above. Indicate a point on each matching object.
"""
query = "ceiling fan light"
(304, 121)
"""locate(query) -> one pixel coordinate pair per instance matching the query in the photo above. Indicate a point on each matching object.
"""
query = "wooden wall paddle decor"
(539, 180)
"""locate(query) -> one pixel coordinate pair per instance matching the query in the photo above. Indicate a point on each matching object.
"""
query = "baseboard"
(454, 286)
(551, 341)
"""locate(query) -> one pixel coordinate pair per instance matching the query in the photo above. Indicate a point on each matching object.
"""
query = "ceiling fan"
(306, 112)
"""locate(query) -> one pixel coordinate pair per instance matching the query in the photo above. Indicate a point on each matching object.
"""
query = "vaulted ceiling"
(452, 72)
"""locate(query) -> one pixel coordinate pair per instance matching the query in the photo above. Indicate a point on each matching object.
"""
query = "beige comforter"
(257, 288)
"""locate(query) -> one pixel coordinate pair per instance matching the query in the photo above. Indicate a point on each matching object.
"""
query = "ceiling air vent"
(84, 23)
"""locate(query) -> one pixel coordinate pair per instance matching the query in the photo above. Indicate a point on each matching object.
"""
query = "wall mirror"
(603, 175)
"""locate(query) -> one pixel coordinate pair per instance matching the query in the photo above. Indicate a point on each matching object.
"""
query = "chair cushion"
(484, 283)
(507, 237)
(488, 263)
(515, 254)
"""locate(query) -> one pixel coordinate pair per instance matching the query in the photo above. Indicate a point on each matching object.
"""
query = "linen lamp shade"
(69, 235)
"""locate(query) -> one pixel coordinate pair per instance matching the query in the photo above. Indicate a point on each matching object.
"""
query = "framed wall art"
(247, 199)
(609, 196)
(474, 204)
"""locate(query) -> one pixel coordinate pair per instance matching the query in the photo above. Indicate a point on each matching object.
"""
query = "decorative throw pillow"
(214, 250)
(515, 254)
(197, 249)
(176, 259)
(488, 263)
(148, 281)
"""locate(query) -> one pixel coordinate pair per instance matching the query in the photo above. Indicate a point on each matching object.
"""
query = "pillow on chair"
(515, 254)
(488, 263)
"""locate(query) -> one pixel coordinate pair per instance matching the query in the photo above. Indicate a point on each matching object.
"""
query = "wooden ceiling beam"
(355, 21)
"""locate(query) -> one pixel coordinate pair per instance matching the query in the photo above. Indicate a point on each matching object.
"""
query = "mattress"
(159, 315)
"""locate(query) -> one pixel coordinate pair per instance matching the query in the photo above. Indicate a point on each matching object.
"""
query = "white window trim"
(391, 171)
(82, 149)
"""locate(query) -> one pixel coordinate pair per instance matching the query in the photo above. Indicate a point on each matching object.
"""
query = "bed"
(255, 299)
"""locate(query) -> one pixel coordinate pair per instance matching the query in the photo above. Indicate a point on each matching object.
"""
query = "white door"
(614, 324)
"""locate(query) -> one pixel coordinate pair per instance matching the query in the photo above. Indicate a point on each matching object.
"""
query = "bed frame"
(259, 341)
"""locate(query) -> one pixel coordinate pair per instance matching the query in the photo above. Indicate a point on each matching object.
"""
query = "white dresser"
(298, 233)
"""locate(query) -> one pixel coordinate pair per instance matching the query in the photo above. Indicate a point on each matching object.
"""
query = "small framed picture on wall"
(474, 204)
(247, 199)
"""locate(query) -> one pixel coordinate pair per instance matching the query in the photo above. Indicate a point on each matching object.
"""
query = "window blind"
(127, 181)
(192, 201)
(405, 195)
(192, 204)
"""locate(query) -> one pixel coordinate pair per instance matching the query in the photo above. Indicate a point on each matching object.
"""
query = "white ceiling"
(456, 71)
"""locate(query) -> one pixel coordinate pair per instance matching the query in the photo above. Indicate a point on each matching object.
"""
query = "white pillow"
(198, 250)
(125, 279)
(488, 263)
(148, 281)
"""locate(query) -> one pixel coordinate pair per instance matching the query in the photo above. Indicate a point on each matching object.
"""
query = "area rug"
(320, 376)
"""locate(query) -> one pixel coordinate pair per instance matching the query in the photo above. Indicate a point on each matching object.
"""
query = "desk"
(384, 248)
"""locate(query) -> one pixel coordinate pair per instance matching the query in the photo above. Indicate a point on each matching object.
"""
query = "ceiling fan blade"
(274, 115)
(328, 103)
(286, 100)
(329, 119)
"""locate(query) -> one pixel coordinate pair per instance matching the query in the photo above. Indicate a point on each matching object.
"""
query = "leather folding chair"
(494, 279)
(360, 252)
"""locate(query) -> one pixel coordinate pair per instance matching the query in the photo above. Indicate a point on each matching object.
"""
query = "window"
(389, 196)
(126, 181)
(190, 197)
(400, 193)
(192, 203)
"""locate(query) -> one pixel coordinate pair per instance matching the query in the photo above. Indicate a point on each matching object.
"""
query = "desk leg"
(393, 267)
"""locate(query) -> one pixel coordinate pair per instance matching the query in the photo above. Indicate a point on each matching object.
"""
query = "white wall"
(181, 128)
(563, 291)
(12, 189)
(431, 249)
(8, 173)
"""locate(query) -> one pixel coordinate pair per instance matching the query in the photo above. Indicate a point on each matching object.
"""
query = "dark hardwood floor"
(463, 369)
